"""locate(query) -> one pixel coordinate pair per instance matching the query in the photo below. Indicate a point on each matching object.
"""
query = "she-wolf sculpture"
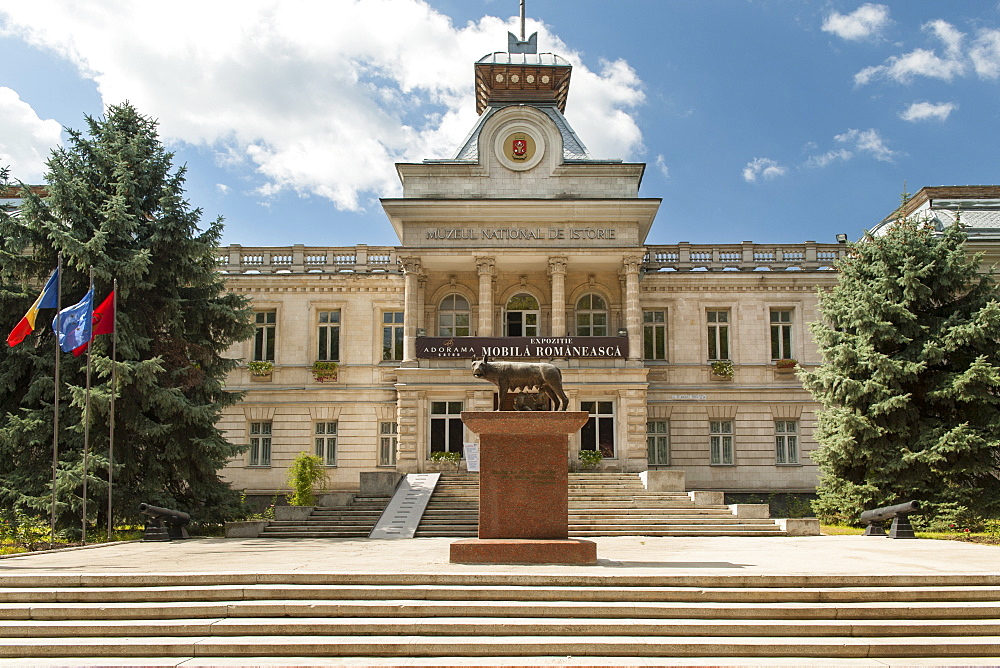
(523, 376)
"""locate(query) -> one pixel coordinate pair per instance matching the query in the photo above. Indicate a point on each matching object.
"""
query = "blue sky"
(761, 120)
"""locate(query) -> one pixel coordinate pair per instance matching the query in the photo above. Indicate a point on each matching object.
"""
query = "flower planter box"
(260, 378)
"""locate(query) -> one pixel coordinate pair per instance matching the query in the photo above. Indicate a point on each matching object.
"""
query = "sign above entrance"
(518, 347)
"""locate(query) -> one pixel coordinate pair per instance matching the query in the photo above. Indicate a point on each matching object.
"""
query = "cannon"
(901, 527)
(174, 519)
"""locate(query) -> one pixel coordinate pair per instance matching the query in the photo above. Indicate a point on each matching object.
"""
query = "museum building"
(524, 247)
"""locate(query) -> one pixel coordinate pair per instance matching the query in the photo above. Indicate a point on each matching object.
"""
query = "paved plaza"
(617, 556)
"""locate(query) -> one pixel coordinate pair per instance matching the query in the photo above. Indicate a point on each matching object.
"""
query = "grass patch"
(982, 537)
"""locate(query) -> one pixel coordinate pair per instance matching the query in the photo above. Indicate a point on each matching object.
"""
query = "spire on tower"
(522, 45)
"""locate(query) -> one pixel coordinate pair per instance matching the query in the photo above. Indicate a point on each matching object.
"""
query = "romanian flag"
(48, 299)
(104, 322)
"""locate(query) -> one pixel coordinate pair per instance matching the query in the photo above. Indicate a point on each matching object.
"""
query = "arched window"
(521, 316)
(453, 316)
(591, 316)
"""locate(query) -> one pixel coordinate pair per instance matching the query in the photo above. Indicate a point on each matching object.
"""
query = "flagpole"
(55, 404)
(114, 388)
(86, 428)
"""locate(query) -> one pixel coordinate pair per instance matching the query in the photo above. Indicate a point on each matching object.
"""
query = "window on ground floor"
(599, 432)
(721, 433)
(447, 430)
(786, 442)
(326, 442)
(388, 438)
(260, 444)
(658, 442)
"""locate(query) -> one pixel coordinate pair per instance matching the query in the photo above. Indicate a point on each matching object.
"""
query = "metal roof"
(504, 58)
(573, 148)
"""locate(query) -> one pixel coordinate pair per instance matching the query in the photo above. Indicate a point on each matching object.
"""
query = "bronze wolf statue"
(523, 375)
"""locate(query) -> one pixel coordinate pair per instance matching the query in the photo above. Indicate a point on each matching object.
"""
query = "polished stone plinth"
(524, 490)
(523, 551)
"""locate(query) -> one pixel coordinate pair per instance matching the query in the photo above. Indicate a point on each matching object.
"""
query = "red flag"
(104, 322)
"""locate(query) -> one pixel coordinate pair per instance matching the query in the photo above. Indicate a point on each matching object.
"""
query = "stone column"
(633, 314)
(557, 273)
(411, 287)
(486, 266)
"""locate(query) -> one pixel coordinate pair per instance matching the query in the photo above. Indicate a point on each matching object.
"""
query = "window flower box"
(723, 370)
(325, 371)
(260, 371)
(785, 366)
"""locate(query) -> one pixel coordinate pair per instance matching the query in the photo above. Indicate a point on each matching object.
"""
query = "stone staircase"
(355, 520)
(600, 504)
(512, 619)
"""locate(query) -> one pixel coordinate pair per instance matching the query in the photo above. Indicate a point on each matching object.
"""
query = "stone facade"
(531, 242)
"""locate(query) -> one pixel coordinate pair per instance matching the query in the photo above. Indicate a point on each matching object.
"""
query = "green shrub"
(590, 458)
(303, 474)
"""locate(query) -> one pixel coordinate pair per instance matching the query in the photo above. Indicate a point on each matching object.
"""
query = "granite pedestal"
(524, 490)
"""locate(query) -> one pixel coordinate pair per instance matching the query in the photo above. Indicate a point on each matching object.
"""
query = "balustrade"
(360, 259)
(748, 256)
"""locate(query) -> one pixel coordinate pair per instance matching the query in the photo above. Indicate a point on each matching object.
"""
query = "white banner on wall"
(471, 452)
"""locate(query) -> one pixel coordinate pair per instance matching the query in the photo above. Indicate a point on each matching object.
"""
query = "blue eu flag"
(75, 323)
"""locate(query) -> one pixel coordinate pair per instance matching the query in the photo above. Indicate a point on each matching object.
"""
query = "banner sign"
(527, 347)
(471, 453)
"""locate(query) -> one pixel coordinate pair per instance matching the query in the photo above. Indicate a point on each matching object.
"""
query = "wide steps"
(114, 618)
(600, 504)
(355, 520)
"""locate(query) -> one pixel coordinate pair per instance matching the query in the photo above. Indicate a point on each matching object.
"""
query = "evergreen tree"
(910, 384)
(116, 203)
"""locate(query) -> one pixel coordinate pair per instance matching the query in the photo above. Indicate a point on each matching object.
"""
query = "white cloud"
(825, 159)
(927, 111)
(855, 142)
(661, 164)
(863, 23)
(222, 188)
(925, 62)
(318, 97)
(762, 168)
(25, 139)
(868, 141)
(985, 54)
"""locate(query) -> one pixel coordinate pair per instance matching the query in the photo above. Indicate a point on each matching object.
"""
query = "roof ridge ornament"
(522, 45)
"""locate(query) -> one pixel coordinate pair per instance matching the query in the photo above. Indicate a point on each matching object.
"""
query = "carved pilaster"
(557, 274)
(486, 267)
(633, 313)
(411, 299)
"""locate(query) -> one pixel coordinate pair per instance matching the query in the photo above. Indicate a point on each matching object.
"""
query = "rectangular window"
(447, 430)
(658, 442)
(722, 441)
(654, 335)
(718, 335)
(781, 335)
(328, 336)
(326, 442)
(786, 442)
(599, 432)
(260, 444)
(392, 335)
(388, 438)
(263, 338)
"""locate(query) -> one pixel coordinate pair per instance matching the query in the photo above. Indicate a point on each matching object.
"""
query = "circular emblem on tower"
(518, 147)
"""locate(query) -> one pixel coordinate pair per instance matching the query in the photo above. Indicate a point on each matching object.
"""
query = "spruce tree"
(116, 203)
(910, 384)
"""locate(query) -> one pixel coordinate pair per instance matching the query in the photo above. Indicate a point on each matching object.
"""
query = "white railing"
(748, 256)
(361, 259)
